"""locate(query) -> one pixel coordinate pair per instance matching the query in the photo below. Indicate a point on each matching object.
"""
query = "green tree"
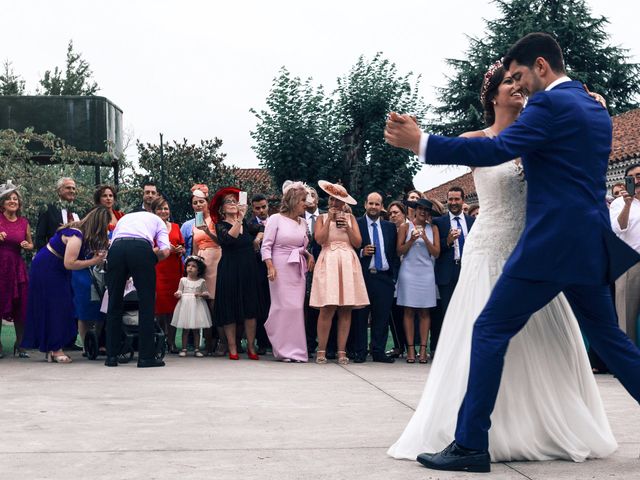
(589, 58)
(76, 79)
(183, 165)
(10, 83)
(17, 164)
(294, 137)
(364, 98)
(308, 135)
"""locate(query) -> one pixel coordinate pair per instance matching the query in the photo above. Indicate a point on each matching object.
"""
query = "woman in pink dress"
(338, 284)
(284, 252)
(15, 235)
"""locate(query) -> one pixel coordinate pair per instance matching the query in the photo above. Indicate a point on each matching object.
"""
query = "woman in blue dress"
(419, 243)
(51, 315)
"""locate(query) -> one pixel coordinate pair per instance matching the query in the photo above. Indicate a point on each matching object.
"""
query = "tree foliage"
(10, 83)
(589, 58)
(75, 79)
(309, 135)
(184, 164)
(37, 180)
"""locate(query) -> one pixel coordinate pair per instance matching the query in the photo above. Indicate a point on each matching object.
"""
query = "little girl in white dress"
(192, 312)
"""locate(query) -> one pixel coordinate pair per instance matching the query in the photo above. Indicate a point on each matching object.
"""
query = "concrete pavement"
(218, 419)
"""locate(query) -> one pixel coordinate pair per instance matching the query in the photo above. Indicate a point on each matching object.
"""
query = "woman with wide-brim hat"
(419, 243)
(238, 298)
(338, 284)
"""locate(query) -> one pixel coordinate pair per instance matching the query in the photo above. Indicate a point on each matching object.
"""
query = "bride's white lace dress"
(548, 406)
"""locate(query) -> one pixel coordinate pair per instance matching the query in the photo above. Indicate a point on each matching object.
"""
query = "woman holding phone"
(206, 246)
(238, 299)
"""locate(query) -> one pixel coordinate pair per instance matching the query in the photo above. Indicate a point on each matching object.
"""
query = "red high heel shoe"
(234, 356)
(252, 356)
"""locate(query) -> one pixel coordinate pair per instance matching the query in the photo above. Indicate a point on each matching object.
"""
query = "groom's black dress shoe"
(150, 362)
(457, 458)
(111, 362)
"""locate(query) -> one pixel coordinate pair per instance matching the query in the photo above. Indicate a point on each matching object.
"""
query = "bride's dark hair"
(492, 80)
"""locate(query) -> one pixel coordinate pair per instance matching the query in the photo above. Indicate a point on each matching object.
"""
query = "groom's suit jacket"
(564, 139)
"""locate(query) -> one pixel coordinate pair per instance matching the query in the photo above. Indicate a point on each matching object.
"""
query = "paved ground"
(217, 419)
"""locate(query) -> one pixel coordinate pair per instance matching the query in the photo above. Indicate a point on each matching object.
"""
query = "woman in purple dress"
(15, 235)
(50, 312)
(284, 252)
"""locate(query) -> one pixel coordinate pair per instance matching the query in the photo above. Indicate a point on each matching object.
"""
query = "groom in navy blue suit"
(564, 139)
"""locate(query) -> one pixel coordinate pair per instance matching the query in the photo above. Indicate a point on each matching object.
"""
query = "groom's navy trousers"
(511, 304)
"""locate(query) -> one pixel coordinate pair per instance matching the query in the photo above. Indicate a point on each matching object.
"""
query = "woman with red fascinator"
(237, 289)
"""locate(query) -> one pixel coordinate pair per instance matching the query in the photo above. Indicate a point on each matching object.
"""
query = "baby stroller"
(130, 330)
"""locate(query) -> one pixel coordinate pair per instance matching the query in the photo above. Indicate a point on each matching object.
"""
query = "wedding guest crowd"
(300, 284)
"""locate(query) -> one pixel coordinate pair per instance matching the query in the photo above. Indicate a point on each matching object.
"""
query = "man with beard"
(454, 228)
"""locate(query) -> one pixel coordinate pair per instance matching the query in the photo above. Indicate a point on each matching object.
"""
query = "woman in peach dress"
(338, 284)
(206, 246)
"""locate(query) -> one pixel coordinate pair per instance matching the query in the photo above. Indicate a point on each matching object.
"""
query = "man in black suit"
(260, 214)
(454, 228)
(57, 214)
(380, 264)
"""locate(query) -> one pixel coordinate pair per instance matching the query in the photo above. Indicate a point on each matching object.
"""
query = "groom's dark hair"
(528, 48)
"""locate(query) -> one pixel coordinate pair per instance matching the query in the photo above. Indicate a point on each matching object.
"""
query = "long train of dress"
(548, 406)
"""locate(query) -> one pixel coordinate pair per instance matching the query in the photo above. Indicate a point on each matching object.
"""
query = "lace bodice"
(502, 195)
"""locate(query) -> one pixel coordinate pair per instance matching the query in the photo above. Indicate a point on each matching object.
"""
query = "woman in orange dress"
(168, 273)
(338, 284)
(205, 245)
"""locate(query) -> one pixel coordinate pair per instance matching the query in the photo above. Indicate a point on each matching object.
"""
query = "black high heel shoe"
(19, 352)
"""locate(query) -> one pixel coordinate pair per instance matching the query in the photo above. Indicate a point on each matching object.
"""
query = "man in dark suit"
(564, 139)
(260, 214)
(57, 214)
(453, 228)
(380, 264)
(149, 194)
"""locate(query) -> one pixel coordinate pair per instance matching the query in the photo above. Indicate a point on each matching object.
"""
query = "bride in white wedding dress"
(548, 406)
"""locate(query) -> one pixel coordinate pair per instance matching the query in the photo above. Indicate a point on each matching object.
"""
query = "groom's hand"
(402, 131)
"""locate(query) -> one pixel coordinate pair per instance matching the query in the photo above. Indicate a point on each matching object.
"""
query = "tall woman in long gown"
(284, 250)
(548, 406)
(51, 317)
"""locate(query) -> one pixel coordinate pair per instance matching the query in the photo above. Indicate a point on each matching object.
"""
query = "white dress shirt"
(372, 264)
(308, 216)
(631, 234)
(465, 231)
(63, 211)
(424, 137)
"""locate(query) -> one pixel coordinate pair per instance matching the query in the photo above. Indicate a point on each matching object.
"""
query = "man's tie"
(313, 224)
(377, 257)
(461, 237)
(69, 216)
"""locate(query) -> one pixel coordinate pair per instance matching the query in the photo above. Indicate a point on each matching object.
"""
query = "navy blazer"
(445, 261)
(389, 236)
(564, 138)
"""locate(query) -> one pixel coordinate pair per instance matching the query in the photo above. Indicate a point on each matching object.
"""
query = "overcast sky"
(193, 69)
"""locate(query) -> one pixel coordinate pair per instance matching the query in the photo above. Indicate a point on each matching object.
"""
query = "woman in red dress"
(168, 273)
